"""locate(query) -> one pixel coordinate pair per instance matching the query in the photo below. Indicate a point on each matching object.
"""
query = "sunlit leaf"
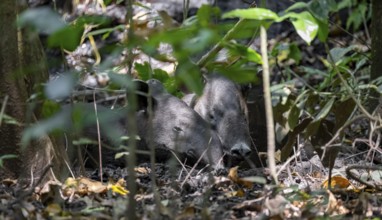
(305, 25)
(119, 190)
(252, 13)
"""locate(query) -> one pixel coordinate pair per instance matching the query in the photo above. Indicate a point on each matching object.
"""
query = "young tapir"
(222, 104)
(175, 126)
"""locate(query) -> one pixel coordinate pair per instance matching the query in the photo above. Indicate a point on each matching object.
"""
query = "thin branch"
(268, 106)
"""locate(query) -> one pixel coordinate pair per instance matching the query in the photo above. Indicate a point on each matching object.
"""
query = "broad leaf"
(252, 13)
(305, 25)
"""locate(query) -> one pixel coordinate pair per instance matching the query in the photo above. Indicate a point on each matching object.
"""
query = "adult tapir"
(222, 104)
(175, 126)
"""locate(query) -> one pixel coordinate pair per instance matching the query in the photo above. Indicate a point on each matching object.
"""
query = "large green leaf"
(305, 25)
(252, 13)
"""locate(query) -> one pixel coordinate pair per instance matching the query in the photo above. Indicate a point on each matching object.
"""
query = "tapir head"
(177, 127)
(223, 106)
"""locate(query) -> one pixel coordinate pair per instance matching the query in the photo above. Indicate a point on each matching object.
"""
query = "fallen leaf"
(119, 190)
(232, 175)
(336, 182)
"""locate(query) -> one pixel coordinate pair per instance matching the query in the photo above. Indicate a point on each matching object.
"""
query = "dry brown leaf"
(83, 186)
(336, 182)
(232, 175)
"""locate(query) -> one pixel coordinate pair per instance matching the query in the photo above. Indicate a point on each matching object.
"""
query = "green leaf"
(305, 25)
(293, 117)
(343, 111)
(286, 150)
(325, 110)
(243, 51)
(44, 19)
(252, 13)
(237, 73)
(190, 75)
(205, 14)
(297, 5)
(144, 70)
(161, 75)
(295, 53)
(49, 108)
(338, 53)
(312, 128)
(323, 30)
(67, 38)
(319, 9)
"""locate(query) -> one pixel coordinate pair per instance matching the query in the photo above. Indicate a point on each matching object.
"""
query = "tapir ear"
(244, 89)
(143, 97)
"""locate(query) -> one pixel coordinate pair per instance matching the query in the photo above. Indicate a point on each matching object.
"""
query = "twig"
(99, 139)
(352, 175)
(268, 106)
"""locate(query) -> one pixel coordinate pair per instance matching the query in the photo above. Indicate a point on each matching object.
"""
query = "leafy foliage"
(317, 111)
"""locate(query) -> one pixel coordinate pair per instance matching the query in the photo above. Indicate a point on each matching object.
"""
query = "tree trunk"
(22, 66)
(11, 85)
(376, 50)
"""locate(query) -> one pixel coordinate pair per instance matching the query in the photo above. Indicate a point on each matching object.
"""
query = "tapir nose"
(241, 149)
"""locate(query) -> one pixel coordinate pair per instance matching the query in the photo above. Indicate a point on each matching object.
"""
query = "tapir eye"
(177, 129)
(212, 121)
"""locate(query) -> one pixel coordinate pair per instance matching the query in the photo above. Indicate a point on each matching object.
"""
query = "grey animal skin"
(178, 127)
(223, 106)
(175, 126)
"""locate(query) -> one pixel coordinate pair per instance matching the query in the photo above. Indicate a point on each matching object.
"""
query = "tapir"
(174, 126)
(223, 106)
